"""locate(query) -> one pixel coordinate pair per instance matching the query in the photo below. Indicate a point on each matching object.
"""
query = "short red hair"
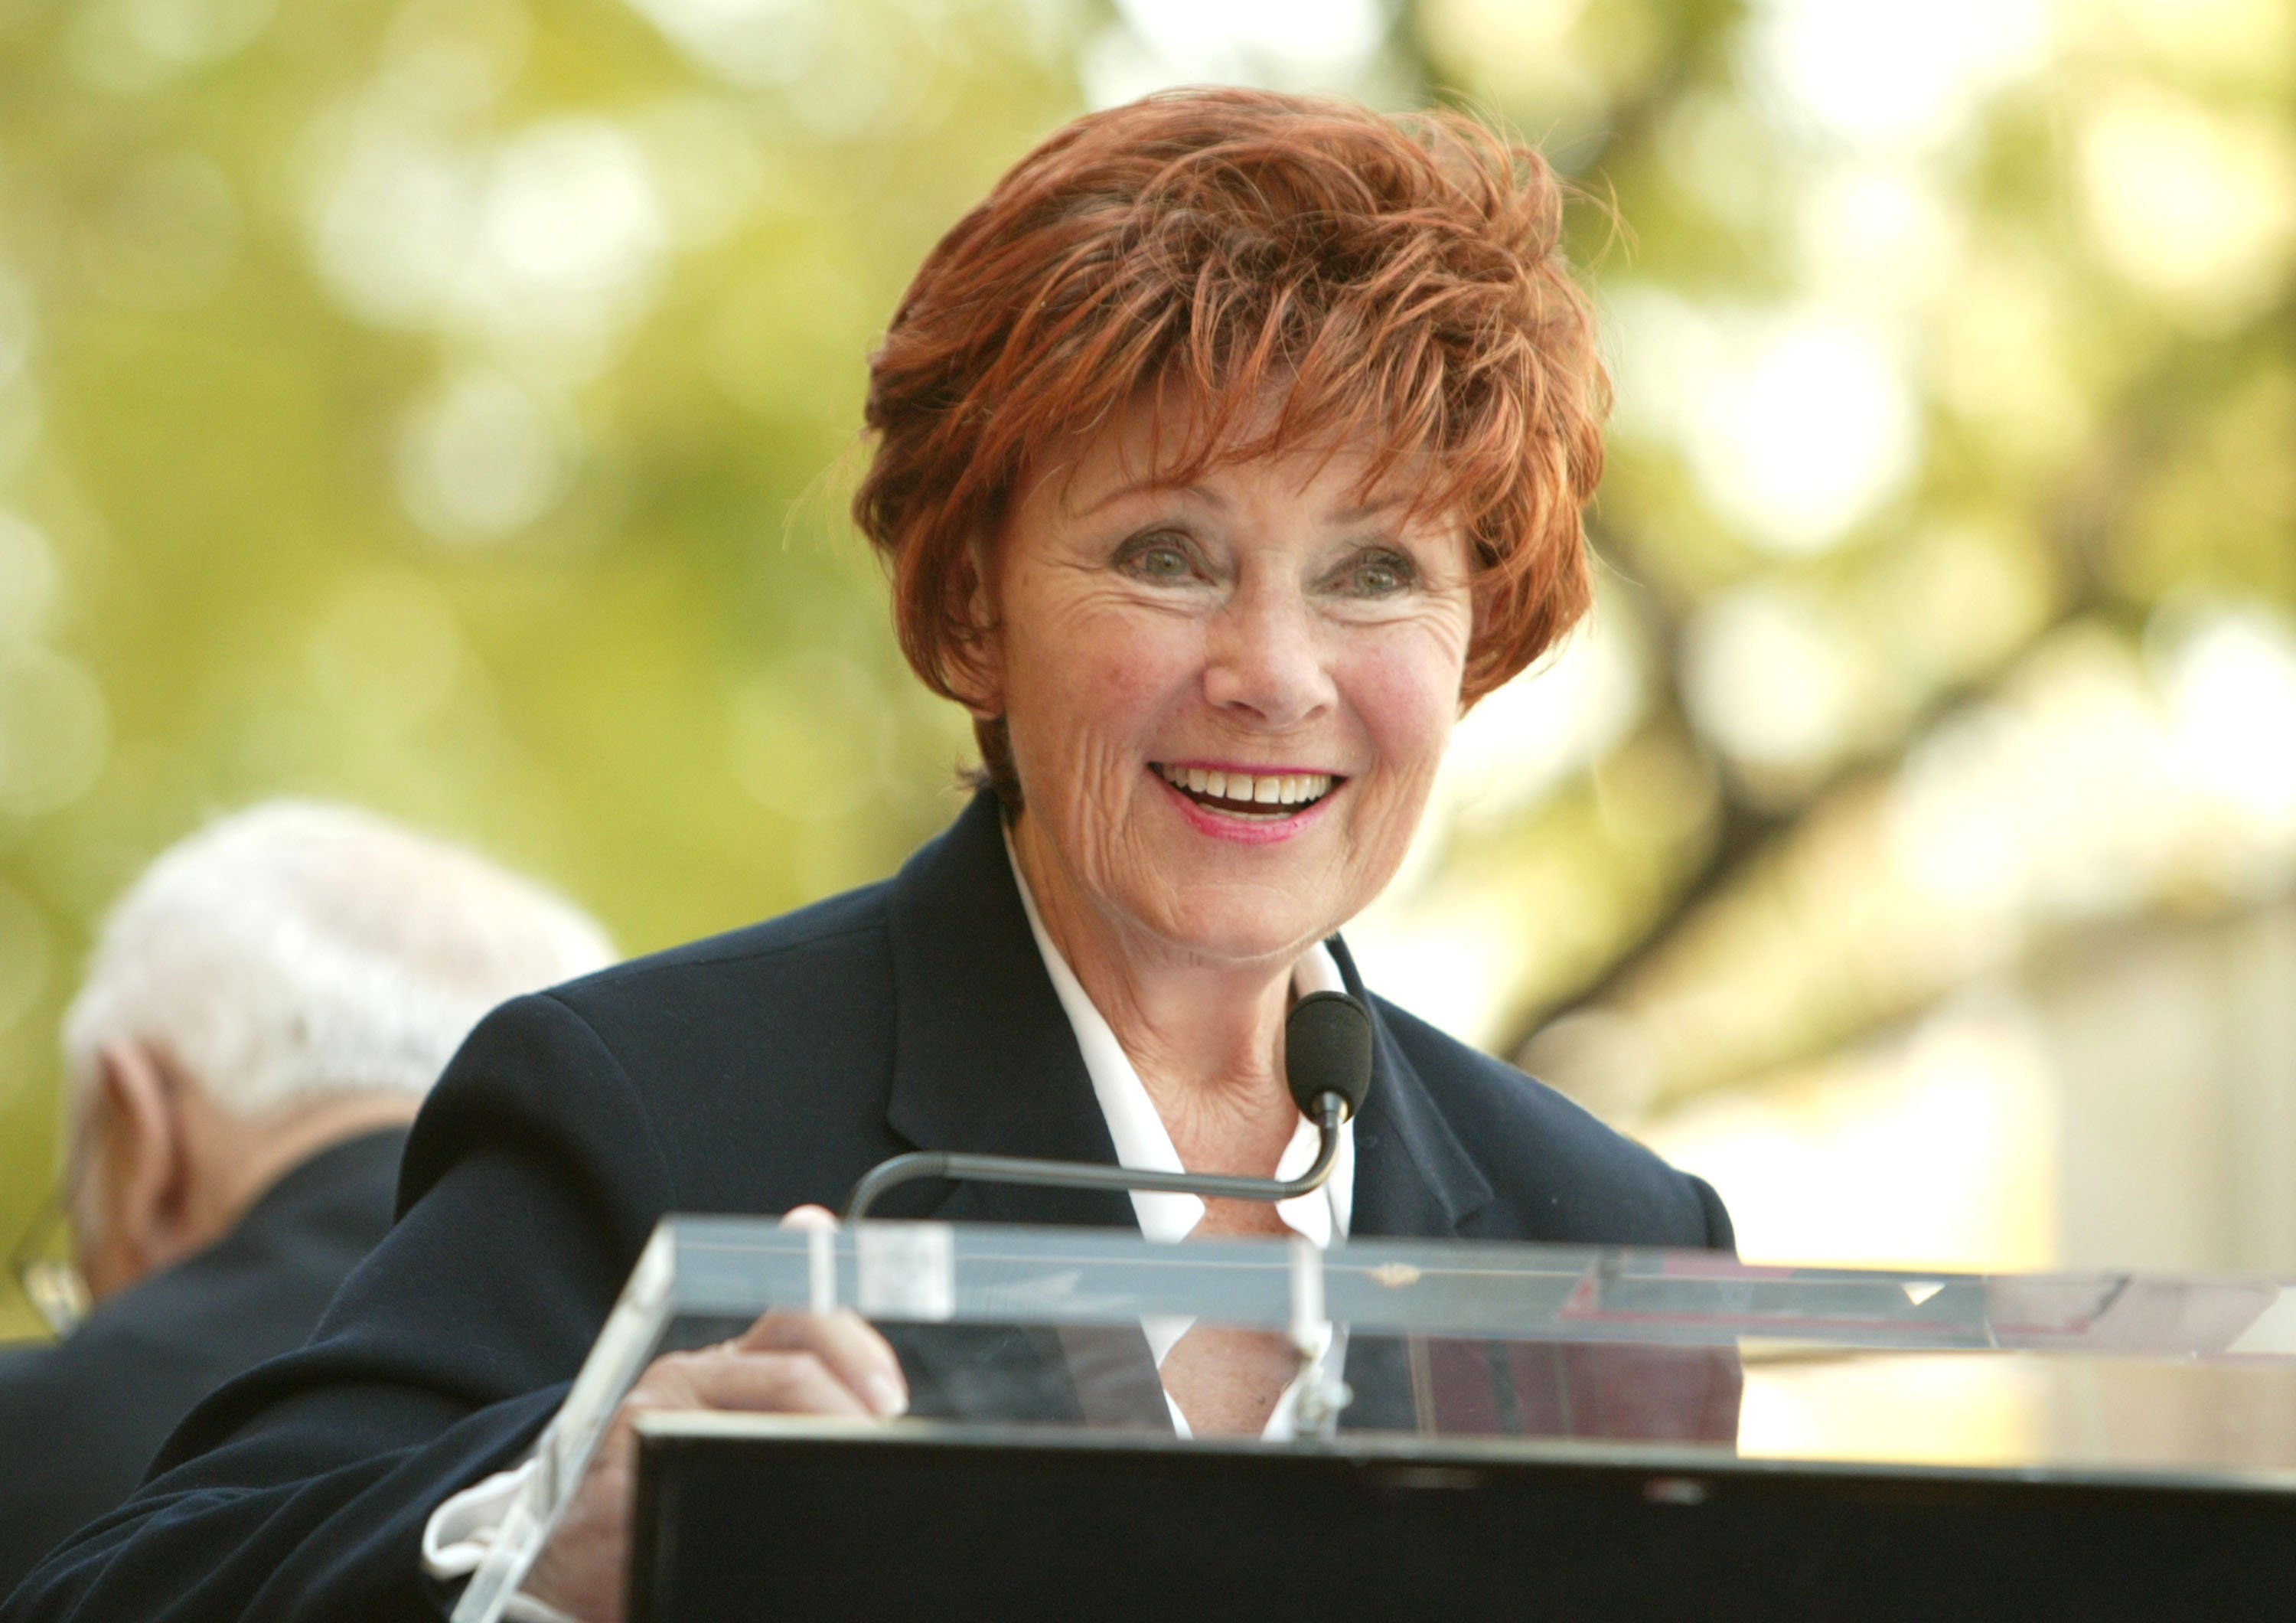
(1301, 272)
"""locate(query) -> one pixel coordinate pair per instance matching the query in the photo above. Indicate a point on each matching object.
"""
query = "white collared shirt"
(1142, 1140)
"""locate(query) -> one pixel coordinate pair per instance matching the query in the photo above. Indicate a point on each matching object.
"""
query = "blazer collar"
(984, 1060)
(1413, 1176)
(983, 1057)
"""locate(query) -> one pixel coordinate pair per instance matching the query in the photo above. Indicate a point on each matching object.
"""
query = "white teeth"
(1258, 789)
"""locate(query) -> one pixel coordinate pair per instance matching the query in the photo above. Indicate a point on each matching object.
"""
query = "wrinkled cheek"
(1406, 707)
(1126, 678)
(1082, 738)
(1093, 802)
(1103, 689)
(1106, 664)
(1409, 715)
(1084, 727)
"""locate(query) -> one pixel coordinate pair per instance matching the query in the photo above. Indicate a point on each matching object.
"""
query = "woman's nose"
(1263, 658)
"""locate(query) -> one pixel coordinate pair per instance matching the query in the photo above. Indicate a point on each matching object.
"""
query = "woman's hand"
(784, 1363)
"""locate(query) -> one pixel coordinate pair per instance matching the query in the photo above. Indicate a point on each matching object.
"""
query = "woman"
(1226, 453)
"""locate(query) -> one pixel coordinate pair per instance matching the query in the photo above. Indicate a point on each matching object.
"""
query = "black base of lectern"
(784, 1521)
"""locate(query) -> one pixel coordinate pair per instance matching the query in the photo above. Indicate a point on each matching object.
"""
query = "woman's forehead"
(1163, 450)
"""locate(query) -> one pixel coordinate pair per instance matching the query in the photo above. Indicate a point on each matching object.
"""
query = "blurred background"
(450, 405)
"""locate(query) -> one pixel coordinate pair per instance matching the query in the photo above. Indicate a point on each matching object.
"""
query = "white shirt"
(458, 1532)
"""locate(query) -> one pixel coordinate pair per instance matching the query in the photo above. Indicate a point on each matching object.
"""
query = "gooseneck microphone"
(1327, 1049)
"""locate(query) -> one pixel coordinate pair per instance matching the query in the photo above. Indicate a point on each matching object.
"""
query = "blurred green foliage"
(450, 407)
(1950, 521)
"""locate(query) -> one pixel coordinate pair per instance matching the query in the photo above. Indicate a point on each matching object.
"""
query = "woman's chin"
(1215, 935)
(1248, 901)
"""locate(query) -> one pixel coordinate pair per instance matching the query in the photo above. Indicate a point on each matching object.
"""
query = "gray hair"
(297, 949)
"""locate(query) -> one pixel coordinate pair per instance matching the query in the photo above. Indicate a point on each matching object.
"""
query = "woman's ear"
(977, 670)
(140, 1175)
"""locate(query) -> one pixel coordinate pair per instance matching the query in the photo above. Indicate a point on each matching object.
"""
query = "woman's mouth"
(1259, 797)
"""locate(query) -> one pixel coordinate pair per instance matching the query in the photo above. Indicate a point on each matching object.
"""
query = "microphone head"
(1327, 1049)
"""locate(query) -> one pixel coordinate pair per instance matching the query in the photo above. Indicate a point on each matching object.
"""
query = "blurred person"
(1230, 449)
(264, 1012)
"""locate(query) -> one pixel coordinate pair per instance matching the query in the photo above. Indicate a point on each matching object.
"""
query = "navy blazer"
(753, 1072)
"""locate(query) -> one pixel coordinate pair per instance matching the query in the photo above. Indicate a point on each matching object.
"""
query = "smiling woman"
(1226, 453)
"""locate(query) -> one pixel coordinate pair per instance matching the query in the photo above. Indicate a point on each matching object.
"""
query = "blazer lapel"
(1413, 1176)
(984, 1059)
(1413, 1179)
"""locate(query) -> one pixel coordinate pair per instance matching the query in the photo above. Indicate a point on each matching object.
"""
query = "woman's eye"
(1379, 574)
(1159, 561)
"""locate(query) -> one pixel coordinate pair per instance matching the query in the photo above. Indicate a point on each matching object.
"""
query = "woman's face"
(1227, 699)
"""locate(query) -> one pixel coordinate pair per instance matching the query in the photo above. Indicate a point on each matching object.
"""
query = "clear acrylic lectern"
(1612, 1426)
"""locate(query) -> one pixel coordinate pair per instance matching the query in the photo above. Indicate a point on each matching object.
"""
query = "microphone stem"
(1330, 1112)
